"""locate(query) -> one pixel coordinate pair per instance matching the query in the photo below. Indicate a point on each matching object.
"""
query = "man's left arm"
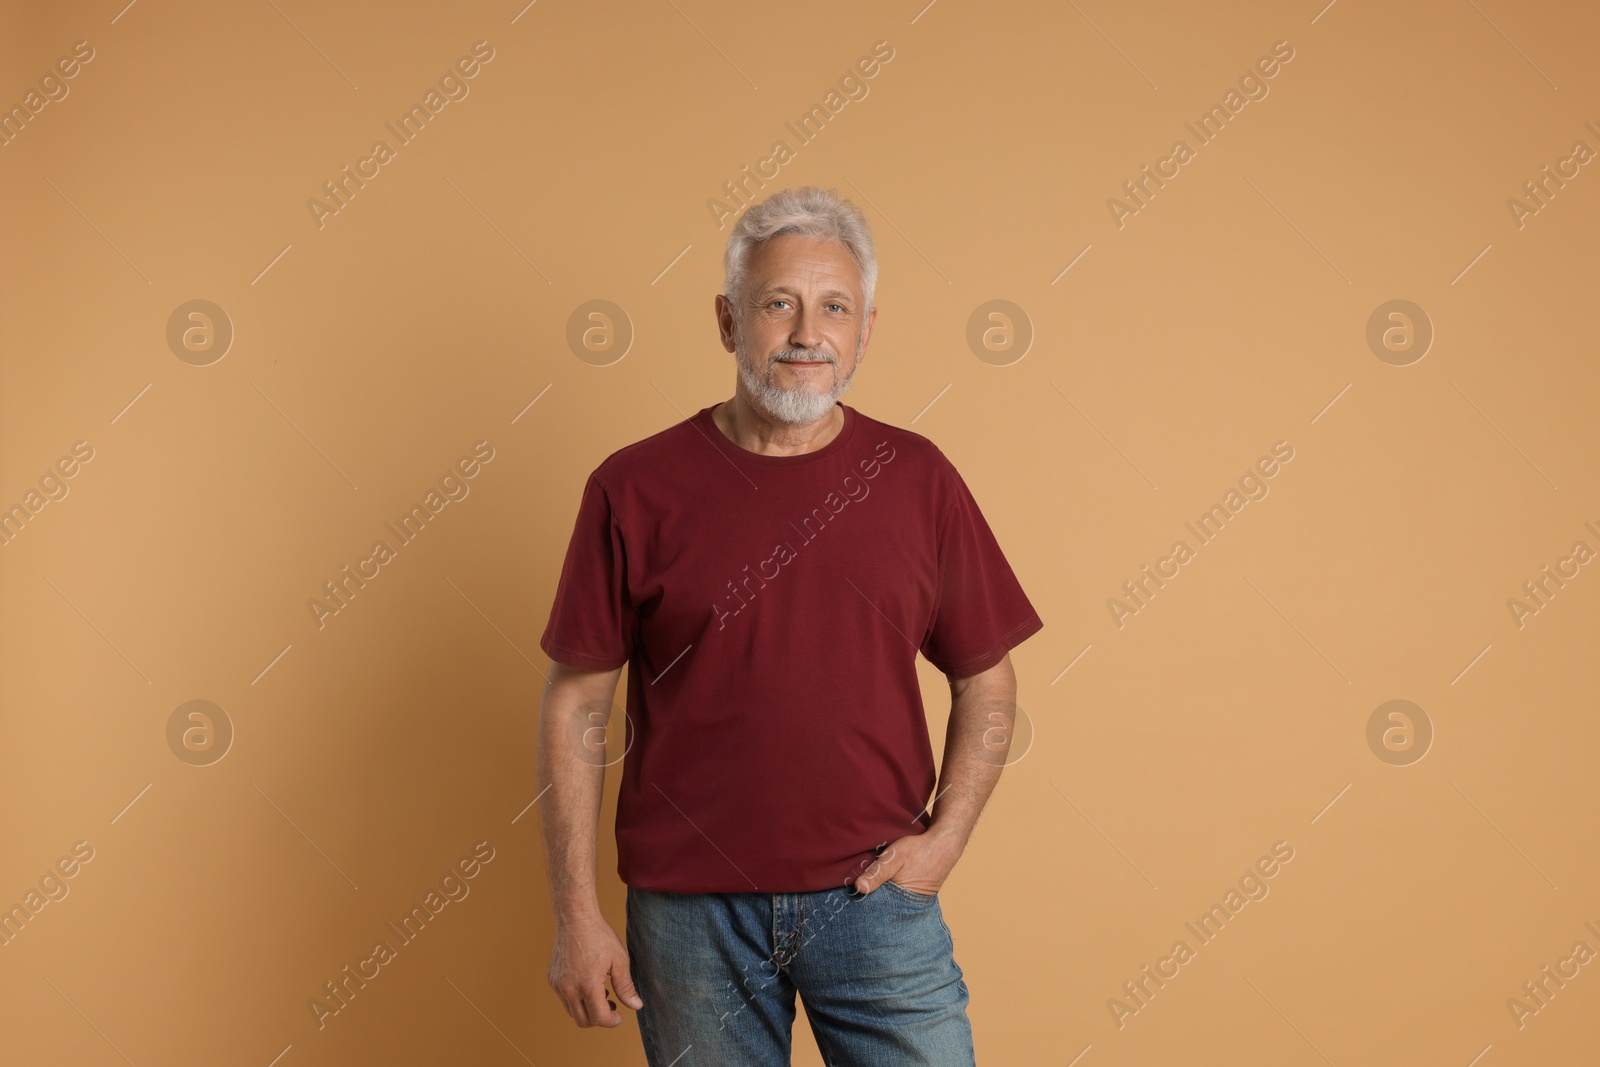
(983, 710)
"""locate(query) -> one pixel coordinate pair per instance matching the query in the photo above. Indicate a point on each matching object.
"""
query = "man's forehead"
(805, 264)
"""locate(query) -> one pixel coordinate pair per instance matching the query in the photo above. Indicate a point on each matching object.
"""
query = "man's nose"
(807, 332)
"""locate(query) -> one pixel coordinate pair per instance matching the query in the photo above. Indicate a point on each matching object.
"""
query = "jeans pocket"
(906, 894)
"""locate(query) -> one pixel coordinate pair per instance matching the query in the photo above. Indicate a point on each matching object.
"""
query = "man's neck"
(754, 430)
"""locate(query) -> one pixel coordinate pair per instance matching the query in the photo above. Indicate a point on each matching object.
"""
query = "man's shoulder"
(646, 456)
(898, 436)
(917, 450)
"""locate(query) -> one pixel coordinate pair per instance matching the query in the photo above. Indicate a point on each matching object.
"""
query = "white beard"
(799, 406)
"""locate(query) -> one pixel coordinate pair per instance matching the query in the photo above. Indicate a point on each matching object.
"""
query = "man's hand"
(983, 712)
(585, 953)
(918, 862)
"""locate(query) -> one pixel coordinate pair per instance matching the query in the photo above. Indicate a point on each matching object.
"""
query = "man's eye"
(775, 303)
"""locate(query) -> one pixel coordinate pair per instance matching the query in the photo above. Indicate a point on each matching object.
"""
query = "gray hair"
(805, 210)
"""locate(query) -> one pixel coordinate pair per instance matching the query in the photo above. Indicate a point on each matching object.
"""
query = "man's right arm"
(574, 714)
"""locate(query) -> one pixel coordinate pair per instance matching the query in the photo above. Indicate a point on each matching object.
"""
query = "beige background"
(369, 354)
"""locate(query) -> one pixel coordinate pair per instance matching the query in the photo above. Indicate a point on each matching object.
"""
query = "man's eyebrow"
(783, 287)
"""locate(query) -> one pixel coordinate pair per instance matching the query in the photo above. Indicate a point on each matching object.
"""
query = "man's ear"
(866, 332)
(725, 312)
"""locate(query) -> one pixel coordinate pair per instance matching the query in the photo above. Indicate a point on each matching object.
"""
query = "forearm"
(983, 713)
(571, 790)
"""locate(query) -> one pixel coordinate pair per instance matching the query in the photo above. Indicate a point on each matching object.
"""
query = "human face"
(800, 332)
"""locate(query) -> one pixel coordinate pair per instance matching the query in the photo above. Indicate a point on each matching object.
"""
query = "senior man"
(768, 570)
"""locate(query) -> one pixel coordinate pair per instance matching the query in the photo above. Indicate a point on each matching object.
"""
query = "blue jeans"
(718, 973)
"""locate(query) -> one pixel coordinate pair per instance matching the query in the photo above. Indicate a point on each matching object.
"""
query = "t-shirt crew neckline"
(709, 426)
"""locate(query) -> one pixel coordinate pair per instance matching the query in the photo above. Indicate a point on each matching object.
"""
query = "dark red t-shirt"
(771, 609)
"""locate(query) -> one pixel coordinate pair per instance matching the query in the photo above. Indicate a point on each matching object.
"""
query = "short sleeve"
(981, 612)
(591, 623)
